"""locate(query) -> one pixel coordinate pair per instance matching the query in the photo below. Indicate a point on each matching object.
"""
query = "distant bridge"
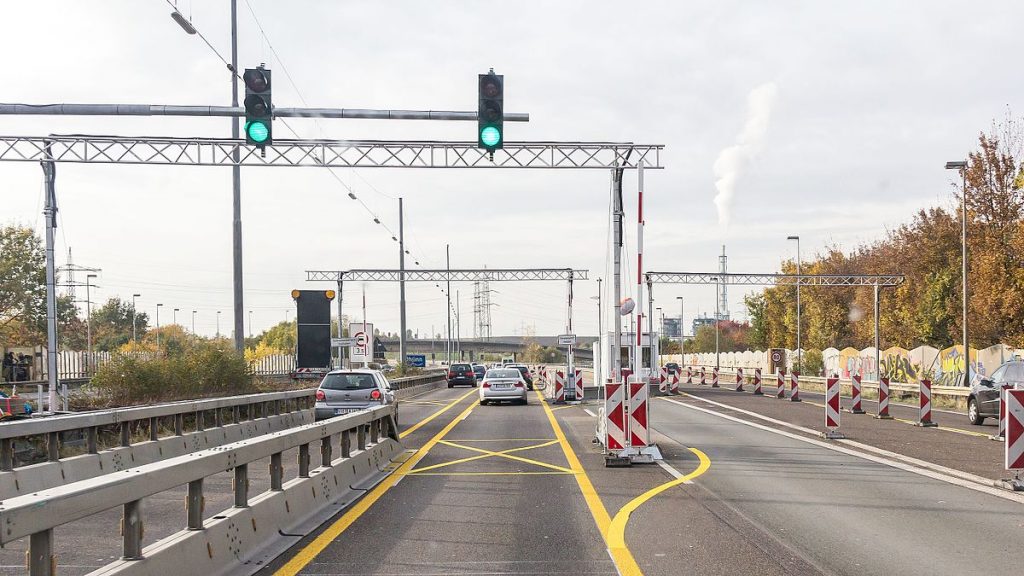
(495, 345)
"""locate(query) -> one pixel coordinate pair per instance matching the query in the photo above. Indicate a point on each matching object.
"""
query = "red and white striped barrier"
(639, 435)
(780, 377)
(579, 385)
(1002, 413)
(883, 399)
(794, 386)
(714, 377)
(1015, 430)
(739, 379)
(703, 376)
(757, 382)
(615, 416)
(832, 409)
(663, 380)
(925, 395)
(559, 392)
(673, 383)
(689, 375)
(855, 407)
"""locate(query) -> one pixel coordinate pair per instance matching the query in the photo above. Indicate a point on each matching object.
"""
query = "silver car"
(503, 384)
(344, 391)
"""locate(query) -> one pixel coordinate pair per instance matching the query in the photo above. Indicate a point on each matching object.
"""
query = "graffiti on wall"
(897, 366)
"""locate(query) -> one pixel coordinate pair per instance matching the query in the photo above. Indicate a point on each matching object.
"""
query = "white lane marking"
(946, 475)
(672, 471)
(592, 415)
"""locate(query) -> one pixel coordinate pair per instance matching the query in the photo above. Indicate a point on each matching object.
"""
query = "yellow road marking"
(417, 426)
(486, 454)
(552, 473)
(422, 402)
(617, 530)
(556, 409)
(597, 509)
(500, 439)
(314, 548)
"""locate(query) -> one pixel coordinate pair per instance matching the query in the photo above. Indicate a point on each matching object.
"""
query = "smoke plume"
(733, 160)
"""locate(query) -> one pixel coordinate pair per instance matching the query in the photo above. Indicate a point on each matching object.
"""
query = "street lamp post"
(193, 322)
(799, 349)
(158, 306)
(250, 323)
(88, 321)
(718, 316)
(174, 316)
(218, 324)
(598, 360)
(961, 165)
(682, 340)
(134, 337)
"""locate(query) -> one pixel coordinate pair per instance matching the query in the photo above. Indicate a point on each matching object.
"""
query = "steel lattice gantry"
(773, 279)
(326, 153)
(443, 275)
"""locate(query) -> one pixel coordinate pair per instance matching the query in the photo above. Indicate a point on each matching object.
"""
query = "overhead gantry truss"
(443, 275)
(774, 279)
(89, 149)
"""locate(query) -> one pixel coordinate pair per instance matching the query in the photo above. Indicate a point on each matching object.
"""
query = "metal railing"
(36, 515)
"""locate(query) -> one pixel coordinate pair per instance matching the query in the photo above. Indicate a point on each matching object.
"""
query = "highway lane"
(492, 492)
(803, 508)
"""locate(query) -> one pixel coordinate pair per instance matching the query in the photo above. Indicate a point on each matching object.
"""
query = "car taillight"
(519, 384)
(486, 384)
(320, 396)
(451, 374)
(375, 394)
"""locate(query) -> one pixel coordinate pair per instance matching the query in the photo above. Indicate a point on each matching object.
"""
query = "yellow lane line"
(417, 426)
(314, 548)
(552, 473)
(597, 509)
(617, 530)
(500, 440)
(486, 454)
(556, 409)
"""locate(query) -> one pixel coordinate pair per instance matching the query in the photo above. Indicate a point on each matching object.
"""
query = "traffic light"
(490, 132)
(258, 107)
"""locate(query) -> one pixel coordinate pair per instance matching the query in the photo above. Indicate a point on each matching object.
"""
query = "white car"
(503, 384)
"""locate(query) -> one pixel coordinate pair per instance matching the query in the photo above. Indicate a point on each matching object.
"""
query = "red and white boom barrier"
(855, 407)
(926, 405)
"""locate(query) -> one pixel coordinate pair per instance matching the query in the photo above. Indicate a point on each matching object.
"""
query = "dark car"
(461, 375)
(673, 368)
(525, 371)
(480, 370)
(983, 401)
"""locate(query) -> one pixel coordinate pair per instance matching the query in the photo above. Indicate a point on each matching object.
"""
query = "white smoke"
(733, 160)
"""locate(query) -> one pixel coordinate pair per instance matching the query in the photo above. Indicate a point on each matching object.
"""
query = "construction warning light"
(259, 107)
(329, 294)
(490, 114)
(296, 294)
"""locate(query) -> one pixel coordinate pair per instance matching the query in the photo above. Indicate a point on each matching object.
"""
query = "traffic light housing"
(259, 107)
(490, 132)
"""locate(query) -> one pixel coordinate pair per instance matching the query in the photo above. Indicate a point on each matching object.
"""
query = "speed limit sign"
(776, 356)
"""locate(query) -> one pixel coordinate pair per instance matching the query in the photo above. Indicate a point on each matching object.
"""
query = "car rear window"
(461, 367)
(503, 374)
(348, 382)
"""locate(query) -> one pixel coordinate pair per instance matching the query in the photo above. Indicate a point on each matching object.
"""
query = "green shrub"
(813, 362)
(204, 369)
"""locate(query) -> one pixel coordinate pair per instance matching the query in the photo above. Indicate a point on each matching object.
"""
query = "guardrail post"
(194, 504)
(154, 429)
(361, 437)
(200, 421)
(304, 461)
(241, 486)
(179, 424)
(276, 472)
(92, 440)
(346, 444)
(126, 434)
(374, 431)
(218, 419)
(7, 454)
(40, 554)
(325, 452)
(53, 446)
(131, 530)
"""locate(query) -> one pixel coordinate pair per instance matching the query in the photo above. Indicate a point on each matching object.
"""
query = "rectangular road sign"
(416, 360)
(567, 340)
(361, 349)
(1014, 429)
(342, 342)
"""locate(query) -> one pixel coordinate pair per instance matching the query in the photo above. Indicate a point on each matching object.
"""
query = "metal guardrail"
(37, 515)
(904, 387)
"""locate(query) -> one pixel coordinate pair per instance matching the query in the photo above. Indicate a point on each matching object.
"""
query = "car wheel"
(973, 415)
(474, 385)
(483, 402)
(450, 385)
(525, 401)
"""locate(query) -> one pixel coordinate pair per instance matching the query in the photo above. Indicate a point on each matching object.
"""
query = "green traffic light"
(257, 131)
(490, 136)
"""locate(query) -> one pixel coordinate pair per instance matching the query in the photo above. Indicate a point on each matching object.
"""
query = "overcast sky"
(870, 98)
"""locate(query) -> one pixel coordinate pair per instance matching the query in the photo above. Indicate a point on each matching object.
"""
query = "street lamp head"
(92, 276)
(679, 297)
(136, 295)
(792, 238)
(177, 309)
(159, 305)
(956, 165)
(183, 22)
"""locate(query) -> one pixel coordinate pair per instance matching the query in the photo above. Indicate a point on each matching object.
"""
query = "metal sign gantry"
(876, 281)
(177, 151)
(459, 275)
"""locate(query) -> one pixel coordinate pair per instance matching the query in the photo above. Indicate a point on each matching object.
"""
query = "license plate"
(502, 386)
(340, 411)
